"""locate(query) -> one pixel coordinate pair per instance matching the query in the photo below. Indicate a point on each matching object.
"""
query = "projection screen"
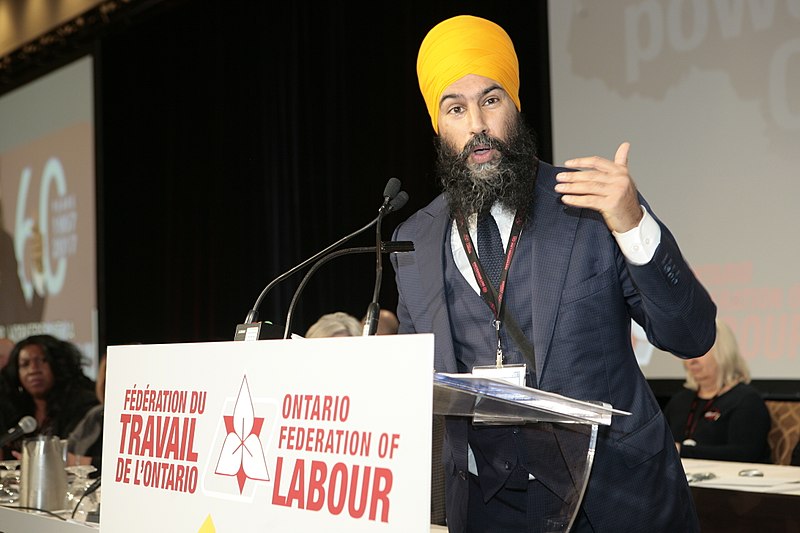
(47, 188)
(708, 94)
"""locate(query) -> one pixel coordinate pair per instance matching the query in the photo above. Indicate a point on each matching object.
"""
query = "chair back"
(785, 431)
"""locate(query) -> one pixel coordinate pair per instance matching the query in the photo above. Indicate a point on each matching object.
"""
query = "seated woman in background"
(85, 442)
(720, 415)
(337, 324)
(44, 378)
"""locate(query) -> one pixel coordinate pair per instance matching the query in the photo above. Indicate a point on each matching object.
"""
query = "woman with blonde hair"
(719, 415)
(338, 324)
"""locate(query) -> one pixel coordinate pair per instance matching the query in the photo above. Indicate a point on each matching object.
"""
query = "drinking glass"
(9, 481)
(77, 482)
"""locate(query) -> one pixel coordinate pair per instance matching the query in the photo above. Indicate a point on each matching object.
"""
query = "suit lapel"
(430, 247)
(552, 249)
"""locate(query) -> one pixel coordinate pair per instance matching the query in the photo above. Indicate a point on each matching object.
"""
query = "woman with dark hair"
(44, 378)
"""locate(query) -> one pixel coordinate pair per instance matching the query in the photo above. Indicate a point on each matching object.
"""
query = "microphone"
(388, 247)
(252, 330)
(27, 424)
(391, 190)
(373, 311)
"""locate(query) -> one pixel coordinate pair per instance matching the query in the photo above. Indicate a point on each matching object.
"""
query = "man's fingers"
(569, 184)
(621, 157)
(600, 163)
(593, 162)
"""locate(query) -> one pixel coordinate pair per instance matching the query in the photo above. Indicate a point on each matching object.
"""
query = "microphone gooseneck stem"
(393, 198)
(371, 322)
(388, 247)
(253, 314)
(378, 259)
(373, 311)
(304, 282)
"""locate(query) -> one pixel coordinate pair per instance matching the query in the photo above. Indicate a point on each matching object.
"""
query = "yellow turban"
(465, 45)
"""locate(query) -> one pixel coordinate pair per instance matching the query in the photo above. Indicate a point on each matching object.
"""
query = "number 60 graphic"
(54, 275)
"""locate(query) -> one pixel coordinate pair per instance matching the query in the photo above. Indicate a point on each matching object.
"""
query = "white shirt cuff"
(639, 244)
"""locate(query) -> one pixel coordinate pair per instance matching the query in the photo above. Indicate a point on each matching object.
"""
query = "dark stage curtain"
(236, 138)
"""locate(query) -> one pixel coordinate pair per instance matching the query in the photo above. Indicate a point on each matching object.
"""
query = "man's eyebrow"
(486, 91)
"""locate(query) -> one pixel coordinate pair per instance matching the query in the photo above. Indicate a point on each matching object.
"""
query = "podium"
(570, 425)
(269, 435)
(302, 434)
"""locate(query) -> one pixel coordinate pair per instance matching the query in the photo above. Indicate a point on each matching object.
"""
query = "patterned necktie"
(490, 249)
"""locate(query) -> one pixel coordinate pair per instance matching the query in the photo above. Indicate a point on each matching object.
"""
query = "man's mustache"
(480, 139)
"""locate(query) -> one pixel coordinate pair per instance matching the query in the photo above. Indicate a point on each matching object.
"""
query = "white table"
(731, 503)
(15, 521)
(777, 479)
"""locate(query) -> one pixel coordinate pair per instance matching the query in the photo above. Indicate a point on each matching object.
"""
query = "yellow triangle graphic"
(208, 526)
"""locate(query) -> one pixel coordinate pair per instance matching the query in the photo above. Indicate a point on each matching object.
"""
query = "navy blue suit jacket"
(584, 295)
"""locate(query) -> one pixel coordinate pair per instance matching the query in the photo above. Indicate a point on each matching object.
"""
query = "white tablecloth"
(726, 475)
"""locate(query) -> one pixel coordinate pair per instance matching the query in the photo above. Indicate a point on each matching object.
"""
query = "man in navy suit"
(522, 263)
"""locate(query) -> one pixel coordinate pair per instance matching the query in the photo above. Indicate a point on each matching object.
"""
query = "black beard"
(509, 180)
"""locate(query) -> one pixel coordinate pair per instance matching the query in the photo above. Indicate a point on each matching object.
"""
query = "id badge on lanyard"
(514, 374)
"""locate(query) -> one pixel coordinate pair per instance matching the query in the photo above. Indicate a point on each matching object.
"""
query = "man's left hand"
(604, 186)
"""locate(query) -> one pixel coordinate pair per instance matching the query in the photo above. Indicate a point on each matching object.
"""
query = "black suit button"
(462, 474)
(507, 465)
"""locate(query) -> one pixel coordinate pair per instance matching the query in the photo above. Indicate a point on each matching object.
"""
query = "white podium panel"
(276, 435)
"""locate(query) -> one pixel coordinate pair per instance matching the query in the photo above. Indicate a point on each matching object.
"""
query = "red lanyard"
(493, 297)
(692, 419)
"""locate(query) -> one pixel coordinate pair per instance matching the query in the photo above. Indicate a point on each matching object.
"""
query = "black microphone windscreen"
(392, 188)
(398, 201)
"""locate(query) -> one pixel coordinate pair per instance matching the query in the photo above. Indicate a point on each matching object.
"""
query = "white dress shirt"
(638, 244)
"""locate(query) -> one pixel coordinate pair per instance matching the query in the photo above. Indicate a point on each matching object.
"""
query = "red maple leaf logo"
(242, 453)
